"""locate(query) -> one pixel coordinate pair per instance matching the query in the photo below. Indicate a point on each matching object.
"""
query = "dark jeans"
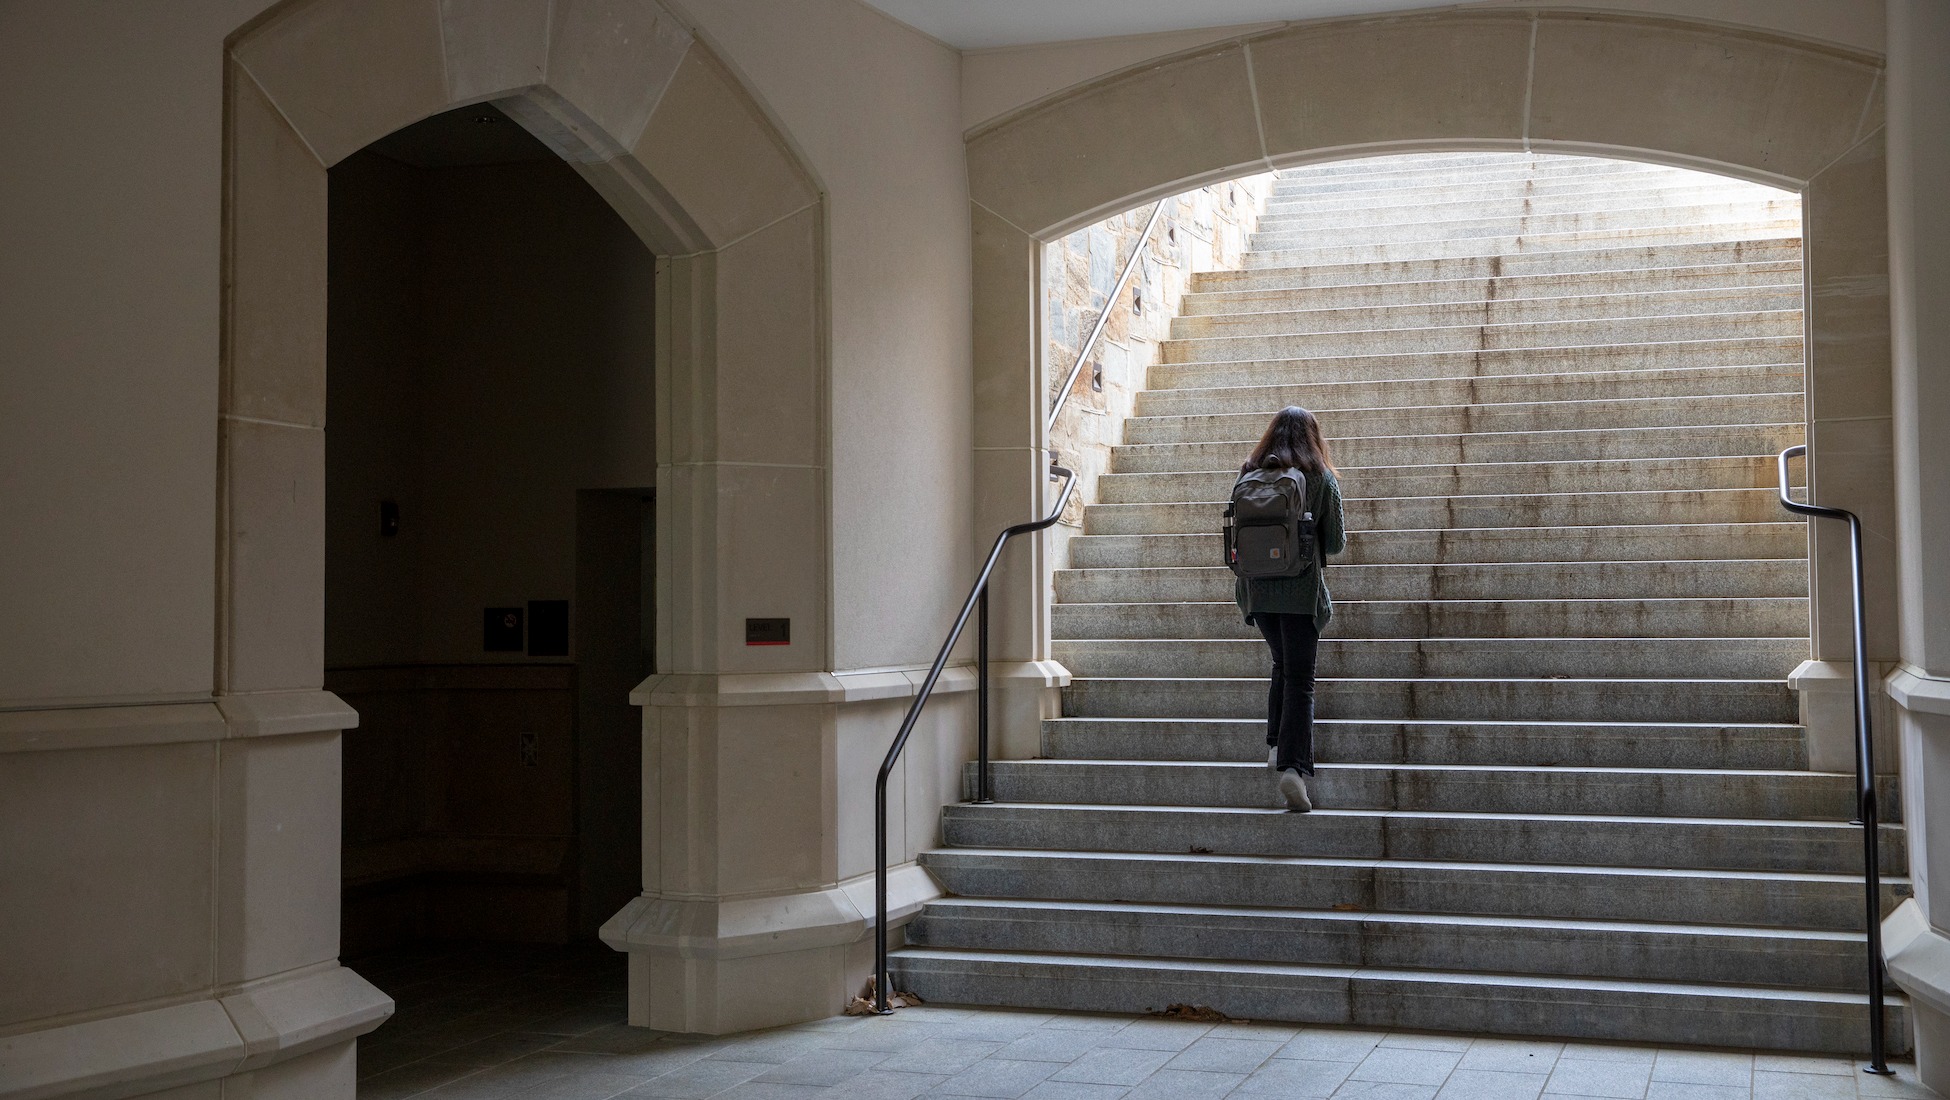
(1290, 703)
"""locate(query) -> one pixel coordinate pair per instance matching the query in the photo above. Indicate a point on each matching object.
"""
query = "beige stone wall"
(1202, 230)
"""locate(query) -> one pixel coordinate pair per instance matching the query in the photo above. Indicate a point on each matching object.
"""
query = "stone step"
(1642, 951)
(1588, 414)
(1726, 658)
(1787, 540)
(1366, 516)
(1638, 256)
(1725, 579)
(1460, 479)
(1481, 337)
(1410, 223)
(1506, 200)
(1479, 390)
(1705, 843)
(1755, 899)
(1800, 1021)
(1734, 440)
(1491, 288)
(1380, 369)
(1524, 621)
(1442, 247)
(1454, 700)
(1432, 788)
(1419, 315)
(1357, 741)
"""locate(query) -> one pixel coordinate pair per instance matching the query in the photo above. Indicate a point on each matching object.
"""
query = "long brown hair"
(1292, 439)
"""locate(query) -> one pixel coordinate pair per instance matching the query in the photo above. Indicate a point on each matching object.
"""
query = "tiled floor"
(548, 1024)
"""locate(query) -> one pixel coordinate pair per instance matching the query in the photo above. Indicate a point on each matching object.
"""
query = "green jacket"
(1306, 594)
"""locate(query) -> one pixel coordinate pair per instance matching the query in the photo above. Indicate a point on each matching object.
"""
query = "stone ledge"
(146, 1051)
(742, 927)
(1834, 676)
(1916, 690)
(778, 689)
(272, 714)
(1918, 956)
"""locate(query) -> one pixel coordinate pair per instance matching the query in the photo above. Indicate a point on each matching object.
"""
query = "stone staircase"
(1562, 790)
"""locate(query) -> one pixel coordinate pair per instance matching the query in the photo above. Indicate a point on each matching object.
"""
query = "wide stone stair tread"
(1726, 578)
(1514, 1004)
(1671, 745)
(1562, 788)
(1755, 899)
(1454, 546)
(1634, 951)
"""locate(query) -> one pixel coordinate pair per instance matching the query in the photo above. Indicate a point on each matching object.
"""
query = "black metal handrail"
(1865, 770)
(978, 602)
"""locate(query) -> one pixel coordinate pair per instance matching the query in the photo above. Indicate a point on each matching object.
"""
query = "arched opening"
(489, 572)
(1294, 98)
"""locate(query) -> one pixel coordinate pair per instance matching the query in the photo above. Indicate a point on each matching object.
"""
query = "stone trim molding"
(272, 714)
(1916, 690)
(731, 928)
(1918, 956)
(202, 1040)
(761, 689)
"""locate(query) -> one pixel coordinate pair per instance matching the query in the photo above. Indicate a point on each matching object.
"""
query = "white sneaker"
(1294, 790)
(1272, 758)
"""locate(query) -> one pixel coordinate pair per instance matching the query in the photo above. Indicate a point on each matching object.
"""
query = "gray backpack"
(1268, 530)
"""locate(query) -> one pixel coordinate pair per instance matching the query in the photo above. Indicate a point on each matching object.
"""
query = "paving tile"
(1279, 1033)
(772, 1090)
(824, 1067)
(496, 1049)
(1077, 1021)
(1704, 1067)
(878, 1033)
(1684, 1090)
(778, 1045)
(1186, 1084)
(1000, 1077)
(1295, 1077)
(1045, 1045)
(999, 1026)
(1210, 1052)
(1589, 1077)
(1904, 1084)
(1332, 1045)
(1127, 1066)
(1611, 1052)
(943, 1056)
(412, 1079)
(1074, 1090)
(1511, 1055)
(1158, 1034)
(1491, 1084)
(705, 1077)
(1769, 1085)
(624, 1039)
(1421, 1040)
(876, 1084)
(1383, 1090)
(579, 1086)
(1804, 1063)
(1407, 1065)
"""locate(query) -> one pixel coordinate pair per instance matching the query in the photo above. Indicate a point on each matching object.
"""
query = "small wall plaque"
(768, 631)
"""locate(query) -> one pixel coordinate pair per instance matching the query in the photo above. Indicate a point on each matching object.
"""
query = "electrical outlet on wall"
(527, 745)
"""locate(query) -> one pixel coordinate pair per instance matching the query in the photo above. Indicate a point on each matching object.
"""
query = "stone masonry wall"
(1202, 230)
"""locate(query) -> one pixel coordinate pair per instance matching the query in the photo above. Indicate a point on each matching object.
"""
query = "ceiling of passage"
(981, 24)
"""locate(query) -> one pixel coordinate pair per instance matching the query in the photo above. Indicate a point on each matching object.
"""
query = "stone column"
(1917, 936)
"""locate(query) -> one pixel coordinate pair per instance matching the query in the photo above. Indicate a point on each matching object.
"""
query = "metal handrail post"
(982, 794)
(977, 597)
(1865, 772)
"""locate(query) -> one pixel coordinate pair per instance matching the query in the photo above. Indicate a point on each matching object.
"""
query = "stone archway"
(663, 131)
(1782, 112)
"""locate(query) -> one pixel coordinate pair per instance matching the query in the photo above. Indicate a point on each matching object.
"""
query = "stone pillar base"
(1828, 713)
(717, 966)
